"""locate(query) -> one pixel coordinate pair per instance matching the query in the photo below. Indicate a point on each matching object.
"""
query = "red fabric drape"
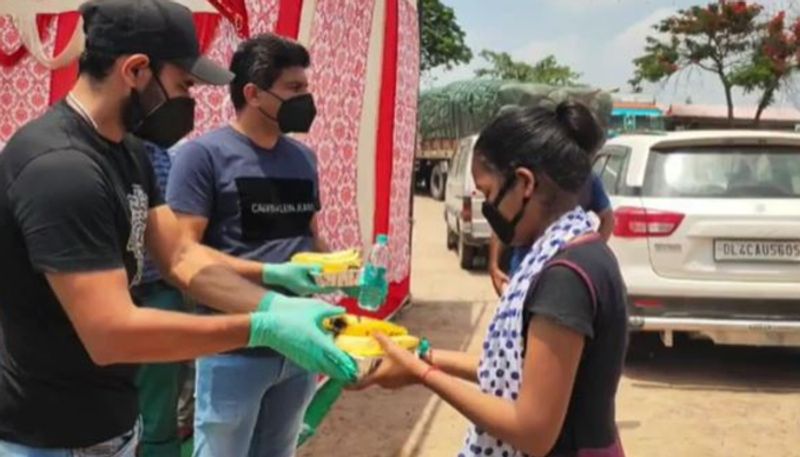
(9, 60)
(63, 78)
(206, 25)
(385, 143)
(384, 157)
(289, 18)
(236, 12)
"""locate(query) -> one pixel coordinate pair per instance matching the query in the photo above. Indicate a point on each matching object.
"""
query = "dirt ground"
(693, 400)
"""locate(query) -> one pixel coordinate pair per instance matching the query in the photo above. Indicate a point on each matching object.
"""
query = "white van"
(467, 229)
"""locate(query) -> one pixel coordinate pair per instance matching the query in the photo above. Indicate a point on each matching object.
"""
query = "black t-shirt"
(582, 289)
(70, 201)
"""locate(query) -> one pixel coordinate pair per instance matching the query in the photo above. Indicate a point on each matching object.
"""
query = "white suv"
(467, 229)
(708, 233)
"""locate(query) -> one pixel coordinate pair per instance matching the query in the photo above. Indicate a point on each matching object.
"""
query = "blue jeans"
(249, 406)
(121, 446)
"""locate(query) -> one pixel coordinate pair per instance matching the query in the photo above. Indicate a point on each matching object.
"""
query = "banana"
(349, 255)
(330, 262)
(350, 325)
(365, 346)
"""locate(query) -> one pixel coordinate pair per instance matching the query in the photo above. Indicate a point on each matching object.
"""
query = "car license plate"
(756, 251)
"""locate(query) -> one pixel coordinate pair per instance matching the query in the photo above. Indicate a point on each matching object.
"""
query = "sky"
(597, 38)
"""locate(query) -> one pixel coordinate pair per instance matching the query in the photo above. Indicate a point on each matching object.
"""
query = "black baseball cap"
(161, 29)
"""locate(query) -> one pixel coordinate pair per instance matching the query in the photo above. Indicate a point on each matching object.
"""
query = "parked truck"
(458, 110)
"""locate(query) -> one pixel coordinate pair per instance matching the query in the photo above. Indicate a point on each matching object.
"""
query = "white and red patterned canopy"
(364, 75)
(25, 17)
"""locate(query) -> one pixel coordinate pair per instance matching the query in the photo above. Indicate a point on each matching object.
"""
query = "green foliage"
(716, 38)
(546, 71)
(659, 62)
(442, 39)
(774, 58)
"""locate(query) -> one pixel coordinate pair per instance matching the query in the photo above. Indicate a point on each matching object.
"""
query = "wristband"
(429, 370)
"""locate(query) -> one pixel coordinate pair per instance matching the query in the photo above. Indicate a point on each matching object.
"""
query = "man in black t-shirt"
(78, 205)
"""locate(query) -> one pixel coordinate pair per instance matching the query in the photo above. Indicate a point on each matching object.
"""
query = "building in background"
(635, 113)
(699, 117)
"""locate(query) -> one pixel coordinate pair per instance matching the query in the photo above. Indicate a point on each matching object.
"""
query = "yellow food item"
(366, 346)
(350, 325)
(333, 262)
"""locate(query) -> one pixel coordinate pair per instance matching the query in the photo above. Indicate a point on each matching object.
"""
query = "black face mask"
(153, 116)
(296, 114)
(502, 227)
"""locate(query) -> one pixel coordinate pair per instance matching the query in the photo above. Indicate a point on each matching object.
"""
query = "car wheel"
(643, 346)
(452, 240)
(466, 254)
(438, 181)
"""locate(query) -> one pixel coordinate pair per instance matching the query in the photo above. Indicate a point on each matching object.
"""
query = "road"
(693, 400)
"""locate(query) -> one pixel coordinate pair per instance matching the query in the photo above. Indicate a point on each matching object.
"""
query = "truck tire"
(466, 254)
(438, 181)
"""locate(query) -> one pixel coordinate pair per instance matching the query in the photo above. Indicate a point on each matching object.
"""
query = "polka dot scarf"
(500, 368)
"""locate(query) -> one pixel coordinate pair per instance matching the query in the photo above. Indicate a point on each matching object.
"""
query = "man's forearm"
(151, 335)
(249, 269)
(219, 287)
(208, 279)
(321, 245)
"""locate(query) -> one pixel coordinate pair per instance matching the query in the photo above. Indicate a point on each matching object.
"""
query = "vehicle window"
(457, 170)
(466, 158)
(612, 172)
(724, 172)
(599, 163)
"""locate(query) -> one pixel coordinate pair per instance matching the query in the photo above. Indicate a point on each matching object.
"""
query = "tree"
(715, 38)
(545, 71)
(774, 59)
(442, 41)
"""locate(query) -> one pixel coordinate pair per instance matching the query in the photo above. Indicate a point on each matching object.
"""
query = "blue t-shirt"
(259, 202)
(161, 164)
(593, 198)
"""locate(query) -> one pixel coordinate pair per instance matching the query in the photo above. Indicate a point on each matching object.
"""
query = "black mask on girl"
(296, 114)
(504, 229)
(153, 116)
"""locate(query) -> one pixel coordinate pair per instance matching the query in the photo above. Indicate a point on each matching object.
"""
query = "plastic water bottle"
(374, 285)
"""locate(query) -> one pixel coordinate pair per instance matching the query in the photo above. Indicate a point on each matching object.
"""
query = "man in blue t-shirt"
(251, 192)
(593, 198)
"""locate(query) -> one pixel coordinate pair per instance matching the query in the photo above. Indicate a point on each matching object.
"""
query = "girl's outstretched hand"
(398, 368)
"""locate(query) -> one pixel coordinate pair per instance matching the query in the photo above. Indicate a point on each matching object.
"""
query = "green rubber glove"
(293, 327)
(352, 292)
(296, 278)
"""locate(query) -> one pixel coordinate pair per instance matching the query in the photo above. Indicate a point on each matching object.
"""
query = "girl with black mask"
(554, 351)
